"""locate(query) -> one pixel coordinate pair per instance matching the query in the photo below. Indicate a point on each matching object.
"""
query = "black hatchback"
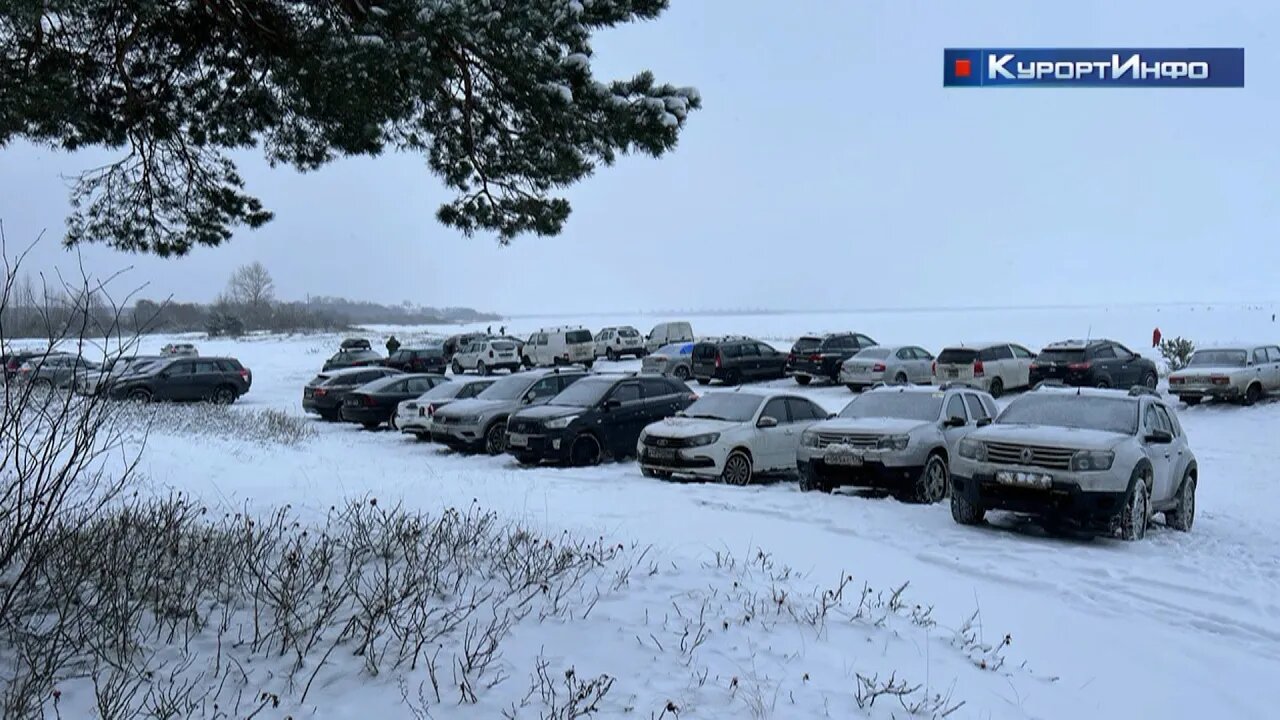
(733, 360)
(1093, 363)
(819, 357)
(375, 403)
(417, 360)
(217, 379)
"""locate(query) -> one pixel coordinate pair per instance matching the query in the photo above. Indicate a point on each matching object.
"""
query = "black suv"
(1092, 363)
(820, 356)
(417, 360)
(323, 396)
(218, 379)
(352, 358)
(735, 359)
(596, 417)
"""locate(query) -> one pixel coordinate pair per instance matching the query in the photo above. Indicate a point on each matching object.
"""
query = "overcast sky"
(828, 169)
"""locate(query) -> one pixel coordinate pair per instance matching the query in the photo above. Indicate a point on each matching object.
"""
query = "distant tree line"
(247, 304)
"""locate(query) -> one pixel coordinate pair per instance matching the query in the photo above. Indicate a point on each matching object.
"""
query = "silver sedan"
(890, 364)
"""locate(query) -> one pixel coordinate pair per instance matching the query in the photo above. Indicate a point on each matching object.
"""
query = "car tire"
(733, 378)
(704, 381)
(457, 368)
(681, 373)
(371, 425)
(651, 473)
(1183, 515)
(526, 361)
(810, 483)
(588, 364)
(483, 369)
(610, 355)
(899, 379)
(585, 451)
(527, 460)
(140, 395)
(802, 379)
(641, 353)
(391, 422)
(42, 384)
(1252, 394)
(1136, 515)
(223, 395)
(422, 437)
(996, 388)
(852, 388)
(495, 439)
(1103, 384)
(931, 485)
(1190, 401)
(1150, 380)
(737, 469)
(964, 512)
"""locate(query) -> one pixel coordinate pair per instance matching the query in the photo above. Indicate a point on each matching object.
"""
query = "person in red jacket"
(1155, 338)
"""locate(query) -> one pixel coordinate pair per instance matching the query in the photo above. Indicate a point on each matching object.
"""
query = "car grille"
(666, 442)
(857, 441)
(525, 427)
(1046, 457)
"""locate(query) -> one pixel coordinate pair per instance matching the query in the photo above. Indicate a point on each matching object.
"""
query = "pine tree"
(497, 95)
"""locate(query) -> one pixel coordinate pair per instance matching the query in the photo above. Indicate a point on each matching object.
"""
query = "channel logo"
(1094, 67)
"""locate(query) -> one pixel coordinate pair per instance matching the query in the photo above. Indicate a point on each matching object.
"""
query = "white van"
(668, 333)
(560, 346)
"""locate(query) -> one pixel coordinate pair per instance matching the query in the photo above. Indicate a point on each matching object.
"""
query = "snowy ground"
(1181, 625)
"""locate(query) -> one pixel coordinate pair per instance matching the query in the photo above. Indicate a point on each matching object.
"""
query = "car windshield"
(1068, 410)
(957, 356)
(875, 353)
(806, 344)
(905, 405)
(508, 388)
(1218, 358)
(1059, 355)
(629, 332)
(578, 336)
(585, 392)
(725, 406)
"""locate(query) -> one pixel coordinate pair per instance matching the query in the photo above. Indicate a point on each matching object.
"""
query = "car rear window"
(806, 344)
(578, 336)
(504, 346)
(876, 353)
(629, 332)
(705, 351)
(957, 356)
(1221, 358)
(1060, 356)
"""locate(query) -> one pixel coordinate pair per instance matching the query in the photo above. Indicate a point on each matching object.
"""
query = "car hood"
(869, 425)
(475, 406)
(1207, 370)
(1048, 436)
(679, 427)
(548, 412)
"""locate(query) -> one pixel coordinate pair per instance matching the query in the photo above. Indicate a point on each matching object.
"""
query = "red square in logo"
(963, 68)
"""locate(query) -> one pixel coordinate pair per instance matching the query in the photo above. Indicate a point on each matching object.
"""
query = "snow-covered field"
(1178, 626)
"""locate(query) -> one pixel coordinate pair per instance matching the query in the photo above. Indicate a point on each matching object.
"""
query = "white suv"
(1244, 373)
(991, 366)
(551, 347)
(486, 355)
(730, 435)
(1098, 460)
(615, 342)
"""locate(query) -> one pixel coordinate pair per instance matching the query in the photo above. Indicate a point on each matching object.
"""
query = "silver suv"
(897, 438)
(481, 422)
(1099, 460)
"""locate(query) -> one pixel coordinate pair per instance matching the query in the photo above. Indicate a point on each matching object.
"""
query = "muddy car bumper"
(1094, 510)
(870, 474)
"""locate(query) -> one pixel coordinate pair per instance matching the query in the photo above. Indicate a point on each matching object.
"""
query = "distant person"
(502, 330)
(1273, 317)
(488, 330)
(1155, 338)
(392, 345)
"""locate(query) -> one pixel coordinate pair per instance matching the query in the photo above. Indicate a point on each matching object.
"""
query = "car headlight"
(469, 419)
(560, 423)
(973, 450)
(1092, 460)
(703, 439)
(893, 442)
(809, 438)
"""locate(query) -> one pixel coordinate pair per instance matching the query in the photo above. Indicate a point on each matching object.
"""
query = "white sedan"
(730, 435)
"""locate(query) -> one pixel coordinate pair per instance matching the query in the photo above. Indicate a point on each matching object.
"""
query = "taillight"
(1079, 366)
(717, 359)
(368, 400)
(878, 367)
(244, 374)
(1033, 366)
(977, 368)
(791, 357)
(431, 410)
(815, 358)
(319, 392)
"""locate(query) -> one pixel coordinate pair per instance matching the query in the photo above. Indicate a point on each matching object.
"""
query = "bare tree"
(251, 286)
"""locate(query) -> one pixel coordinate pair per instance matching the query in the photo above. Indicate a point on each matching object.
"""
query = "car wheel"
(371, 425)
(42, 383)
(852, 388)
(526, 460)
(996, 388)
(681, 373)
(589, 363)
(585, 451)
(610, 355)
(495, 439)
(1149, 380)
(1190, 400)
(1137, 508)
(140, 395)
(965, 512)
(899, 379)
(931, 485)
(481, 368)
(704, 381)
(733, 378)
(650, 473)
(526, 361)
(457, 368)
(1183, 514)
(737, 469)
(224, 395)
(810, 483)
(391, 422)
(802, 379)
(422, 437)
(1103, 384)
(1252, 394)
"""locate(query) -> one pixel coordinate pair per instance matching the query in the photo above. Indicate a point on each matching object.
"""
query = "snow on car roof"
(982, 345)
(1086, 392)
(1236, 346)
(913, 389)
(763, 392)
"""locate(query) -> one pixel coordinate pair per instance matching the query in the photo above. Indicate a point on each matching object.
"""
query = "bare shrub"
(262, 426)
(1177, 352)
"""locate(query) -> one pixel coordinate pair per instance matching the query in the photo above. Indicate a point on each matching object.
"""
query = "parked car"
(1099, 460)
(352, 358)
(1098, 363)
(453, 343)
(480, 424)
(897, 438)
(414, 416)
(560, 346)
(890, 364)
(93, 382)
(1239, 373)
(374, 403)
(736, 359)
(820, 356)
(596, 417)
(355, 343)
(674, 360)
(991, 366)
(612, 343)
(56, 370)
(180, 349)
(668, 333)
(417, 360)
(485, 355)
(217, 379)
(14, 361)
(323, 394)
(732, 436)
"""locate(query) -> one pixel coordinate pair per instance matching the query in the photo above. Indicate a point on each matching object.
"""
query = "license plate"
(952, 372)
(1024, 479)
(517, 439)
(847, 458)
(662, 453)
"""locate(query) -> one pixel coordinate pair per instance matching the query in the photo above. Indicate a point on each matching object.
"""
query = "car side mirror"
(954, 421)
(611, 403)
(1159, 437)
(767, 422)
(833, 416)
(983, 422)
